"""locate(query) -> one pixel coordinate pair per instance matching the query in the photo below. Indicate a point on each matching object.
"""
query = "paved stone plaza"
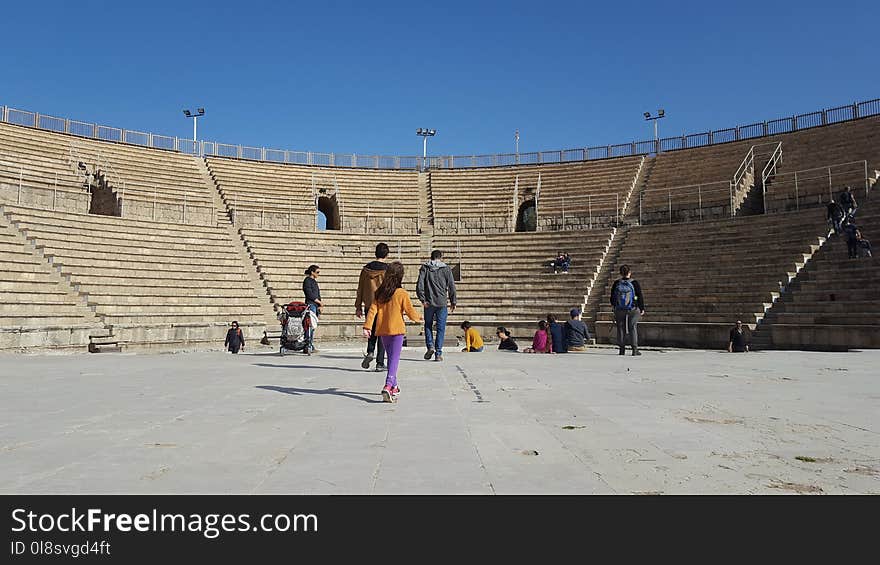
(667, 422)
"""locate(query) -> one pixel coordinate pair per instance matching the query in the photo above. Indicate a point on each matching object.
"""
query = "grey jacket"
(435, 281)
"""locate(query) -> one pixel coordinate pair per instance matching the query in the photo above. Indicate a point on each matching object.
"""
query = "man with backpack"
(434, 284)
(371, 277)
(629, 305)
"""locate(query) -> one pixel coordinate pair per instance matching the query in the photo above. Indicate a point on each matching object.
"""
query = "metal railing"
(785, 192)
(276, 216)
(789, 124)
(44, 198)
(770, 170)
(585, 209)
(748, 162)
(790, 191)
(26, 186)
(686, 198)
(32, 189)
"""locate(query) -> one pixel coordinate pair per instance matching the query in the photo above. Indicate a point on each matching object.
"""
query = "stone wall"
(45, 198)
(67, 337)
(173, 213)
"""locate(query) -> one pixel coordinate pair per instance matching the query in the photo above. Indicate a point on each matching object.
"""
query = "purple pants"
(393, 345)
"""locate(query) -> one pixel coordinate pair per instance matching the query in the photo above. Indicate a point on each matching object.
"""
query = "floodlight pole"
(660, 115)
(425, 133)
(195, 118)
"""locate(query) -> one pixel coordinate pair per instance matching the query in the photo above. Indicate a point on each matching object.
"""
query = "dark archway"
(330, 209)
(527, 218)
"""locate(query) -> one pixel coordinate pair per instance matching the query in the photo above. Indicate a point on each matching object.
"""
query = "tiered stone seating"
(153, 283)
(37, 309)
(283, 196)
(283, 257)
(481, 200)
(505, 279)
(807, 150)
(835, 301)
(48, 179)
(152, 183)
(676, 175)
(684, 184)
(699, 278)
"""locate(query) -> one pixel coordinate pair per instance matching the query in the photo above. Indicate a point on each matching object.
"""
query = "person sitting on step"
(506, 342)
(562, 262)
(541, 343)
(472, 339)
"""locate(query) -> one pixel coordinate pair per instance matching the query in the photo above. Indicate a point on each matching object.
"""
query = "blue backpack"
(624, 295)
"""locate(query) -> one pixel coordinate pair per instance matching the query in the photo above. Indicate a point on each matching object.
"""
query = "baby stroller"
(296, 321)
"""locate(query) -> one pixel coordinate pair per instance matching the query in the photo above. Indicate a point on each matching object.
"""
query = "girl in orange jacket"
(390, 304)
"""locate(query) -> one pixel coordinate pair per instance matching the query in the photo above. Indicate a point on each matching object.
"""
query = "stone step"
(95, 277)
(144, 262)
(40, 320)
(171, 302)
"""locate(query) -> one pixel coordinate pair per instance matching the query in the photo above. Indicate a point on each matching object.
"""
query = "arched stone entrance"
(329, 208)
(527, 217)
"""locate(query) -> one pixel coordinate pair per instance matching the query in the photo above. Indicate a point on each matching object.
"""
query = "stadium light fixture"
(661, 113)
(195, 117)
(425, 133)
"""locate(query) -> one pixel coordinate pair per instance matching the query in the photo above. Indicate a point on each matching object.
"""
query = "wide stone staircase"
(834, 302)
(699, 278)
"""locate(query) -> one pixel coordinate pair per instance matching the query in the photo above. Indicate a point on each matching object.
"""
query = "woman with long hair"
(313, 297)
(391, 302)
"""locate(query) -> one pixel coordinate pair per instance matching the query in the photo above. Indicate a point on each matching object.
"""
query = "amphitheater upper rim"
(787, 124)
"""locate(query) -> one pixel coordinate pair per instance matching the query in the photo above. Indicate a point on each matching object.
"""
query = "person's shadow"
(334, 391)
(346, 369)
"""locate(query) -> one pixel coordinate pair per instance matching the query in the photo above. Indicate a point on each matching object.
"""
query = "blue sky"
(361, 77)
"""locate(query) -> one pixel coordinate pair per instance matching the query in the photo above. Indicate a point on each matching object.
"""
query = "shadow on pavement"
(346, 369)
(334, 391)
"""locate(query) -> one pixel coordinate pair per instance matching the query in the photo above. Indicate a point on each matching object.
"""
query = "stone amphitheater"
(112, 246)
(120, 247)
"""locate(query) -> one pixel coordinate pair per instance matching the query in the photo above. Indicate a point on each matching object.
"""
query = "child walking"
(390, 304)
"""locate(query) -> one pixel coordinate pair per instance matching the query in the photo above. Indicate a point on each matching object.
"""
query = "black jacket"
(846, 199)
(508, 344)
(234, 338)
(834, 210)
(311, 290)
(850, 231)
(638, 299)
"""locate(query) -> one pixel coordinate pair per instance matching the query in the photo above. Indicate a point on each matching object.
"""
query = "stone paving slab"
(670, 421)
